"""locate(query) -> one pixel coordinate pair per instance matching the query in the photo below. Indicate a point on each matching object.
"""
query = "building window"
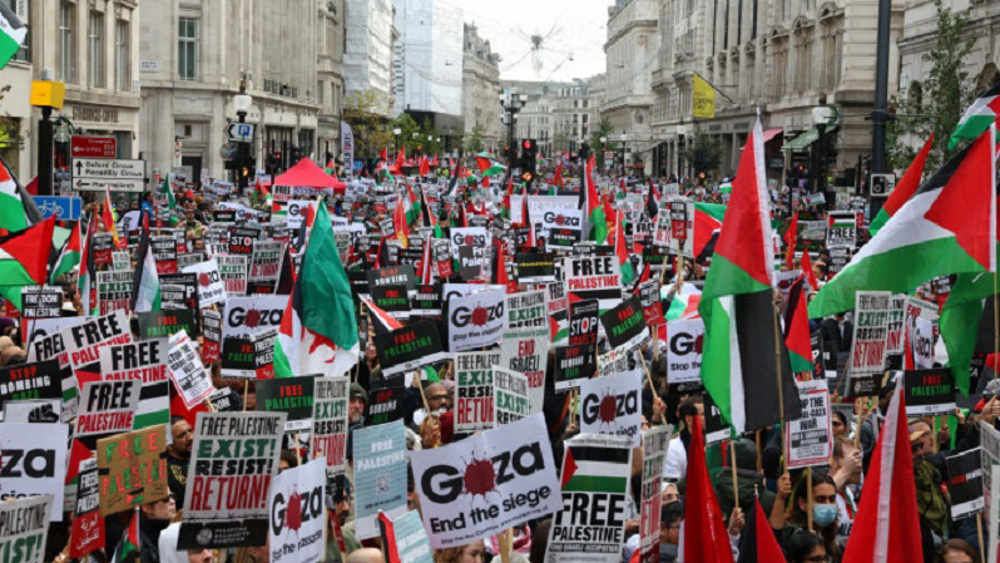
(123, 58)
(22, 54)
(187, 48)
(95, 49)
(67, 54)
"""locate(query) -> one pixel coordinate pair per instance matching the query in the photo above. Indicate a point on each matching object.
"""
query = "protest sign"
(185, 369)
(329, 428)
(34, 463)
(233, 272)
(486, 483)
(379, 455)
(241, 240)
(442, 257)
(475, 320)
(843, 231)
(384, 405)
(474, 390)
(164, 249)
(211, 336)
(654, 449)
(929, 392)
(809, 440)
(297, 530)
(40, 302)
(427, 301)
(37, 380)
(405, 539)
(392, 299)
(25, 524)
(87, 532)
(161, 324)
(716, 429)
(33, 410)
(594, 277)
(290, 395)
(408, 348)
(527, 313)
(921, 333)
(561, 239)
(510, 396)
(143, 361)
(211, 286)
(590, 524)
(107, 407)
(965, 483)
(839, 258)
(868, 348)
(84, 341)
(133, 469)
(574, 364)
(232, 451)
(114, 290)
(535, 267)
(266, 260)
(684, 346)
(102, 245)
(583, 322)
(394, 276)
(618, 361)
(187, 259)
(246, 315)
(649, 299)
(530, 356)
(122, 260)
(625, 325)
(612, 405)
(897, 312)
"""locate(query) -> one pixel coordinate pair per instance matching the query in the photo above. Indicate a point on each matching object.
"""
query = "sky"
(574, 33)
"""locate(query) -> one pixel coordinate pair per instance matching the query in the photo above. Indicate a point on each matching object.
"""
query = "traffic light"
(529, 157)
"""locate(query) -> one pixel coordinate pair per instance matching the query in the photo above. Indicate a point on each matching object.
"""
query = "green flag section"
(69, 255)
(621, 251)
(319, 330)
(24, 258)
(743, 360)
(127, 549)
(165, 189)
(947, 227)
(961, 320)
(17, 209)
(488, 166)
(12, 34)
(591, 204)
(904, 189)
(981, 114)
(146, 294)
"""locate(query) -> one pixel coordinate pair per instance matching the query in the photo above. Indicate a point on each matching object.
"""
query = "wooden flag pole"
(649, 378)
(732, 465)
(298, 450)
(809, 489)
(979, 532)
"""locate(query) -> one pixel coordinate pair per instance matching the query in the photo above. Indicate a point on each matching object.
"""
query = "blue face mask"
(824, 514)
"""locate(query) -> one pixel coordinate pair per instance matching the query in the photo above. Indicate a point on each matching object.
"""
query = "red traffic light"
(527, 145)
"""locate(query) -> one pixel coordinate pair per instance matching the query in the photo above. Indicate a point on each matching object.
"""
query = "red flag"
(792, 241)
(910, 181)
(886, 526)
(797, 328)
(425, 166)
(706, 539)
(757, 542)
(109, 219)
(807, 270)
(557, 180)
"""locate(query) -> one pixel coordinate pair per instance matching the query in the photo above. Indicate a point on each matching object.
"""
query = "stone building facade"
(480, 86)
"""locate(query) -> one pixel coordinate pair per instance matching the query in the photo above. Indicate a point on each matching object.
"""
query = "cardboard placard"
(612, 405)
(133, 469)
(379, 454)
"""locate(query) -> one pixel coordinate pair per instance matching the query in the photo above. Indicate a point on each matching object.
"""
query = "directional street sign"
(118, 175)
(240, 132)
(93, 147)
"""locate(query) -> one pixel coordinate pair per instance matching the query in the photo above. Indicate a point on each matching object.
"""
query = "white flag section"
(486, 483)
(297, 521)
(612, 405)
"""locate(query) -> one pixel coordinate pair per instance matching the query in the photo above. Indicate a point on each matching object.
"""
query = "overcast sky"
(574, 32)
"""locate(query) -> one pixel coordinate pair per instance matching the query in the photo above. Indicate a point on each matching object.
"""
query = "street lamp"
(511, 105)
(396, 133)
(242, 103)
(822, 116)
(624, 138)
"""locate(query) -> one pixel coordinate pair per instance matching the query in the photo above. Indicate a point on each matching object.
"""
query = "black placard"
(583, 322)
(292, 395)
(469, 265)
(929, 391)
(392, 299)
(574, 364)
(161, 324)
(41, 302)
(965, 483)
(624, 324)
(427, 301)
(563, 238)
(241, 240)
(410, 347)
(535, 267)
(38, 380)
(384, 405)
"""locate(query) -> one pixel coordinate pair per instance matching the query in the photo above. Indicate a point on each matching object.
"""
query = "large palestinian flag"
(947, 227)
(591, 205)
(904, 189)
(745, 358)
(981, 114)
(17, 209)
(707, 222)
(967, 325)
(24, 258)
(319, 331)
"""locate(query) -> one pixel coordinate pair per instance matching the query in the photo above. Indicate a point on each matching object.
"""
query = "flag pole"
(809, 496)
(777, 357)
(996, 332)
(979, 532)
(732, 465)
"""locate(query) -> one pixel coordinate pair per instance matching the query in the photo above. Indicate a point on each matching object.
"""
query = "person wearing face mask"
(824, 513)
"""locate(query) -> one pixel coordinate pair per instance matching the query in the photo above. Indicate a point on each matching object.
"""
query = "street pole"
(242, 160)
(45, 156)
(881, 96)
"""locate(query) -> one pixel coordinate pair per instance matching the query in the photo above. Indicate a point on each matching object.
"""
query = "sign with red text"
(474, 390)
(107, 407)
(329, 428)
(530, 356)
(594, 277)
(133, 469)
(612, 405)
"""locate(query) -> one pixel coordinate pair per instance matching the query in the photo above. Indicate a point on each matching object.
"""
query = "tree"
(560, 141)
(704, 154)
(407, 128)
(602, 131)
(936, 104)
(474, 142)
(366, 113)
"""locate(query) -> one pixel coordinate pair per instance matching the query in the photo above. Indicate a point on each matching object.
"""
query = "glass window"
(123, 64)
(67, 54)
(95, 49)
(187, 48)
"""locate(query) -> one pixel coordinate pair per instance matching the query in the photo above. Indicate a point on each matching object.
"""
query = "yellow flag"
(703, 103)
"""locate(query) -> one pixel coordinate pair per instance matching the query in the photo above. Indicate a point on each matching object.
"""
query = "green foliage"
(474, 141)
(603, 130)
(704, 154)
(936, 104)
(366, 112)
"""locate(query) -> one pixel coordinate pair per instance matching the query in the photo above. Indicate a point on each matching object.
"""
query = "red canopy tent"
(307, 174)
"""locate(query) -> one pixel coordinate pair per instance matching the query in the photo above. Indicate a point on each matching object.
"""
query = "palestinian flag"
(456, 175)
(399, 220)
(127, 550)
(591, 206)
(12, 34)
(319, 330)
(743, 358)
(947, 227)
(757, 542)
(591, 469)
(707, 224)
(68, 257)
(154, 405)
(967, 325)
(110, 218)
(86, 280)
(981, 114)
(172, 201)
(621, 251)
(24, 258)
(791, 240)
(488, 166)
(286, 272)
(381, 322)
(705, 538)
(904, 189)
(797, 328)
(429, 219)
(17, 208)
(145, 280)
(685, 303)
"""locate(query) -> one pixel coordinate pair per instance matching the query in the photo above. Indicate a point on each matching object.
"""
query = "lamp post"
(396, 133)
(46, 95)
(822, 116)
(624, 138)
(242, 102)
(511, 103)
